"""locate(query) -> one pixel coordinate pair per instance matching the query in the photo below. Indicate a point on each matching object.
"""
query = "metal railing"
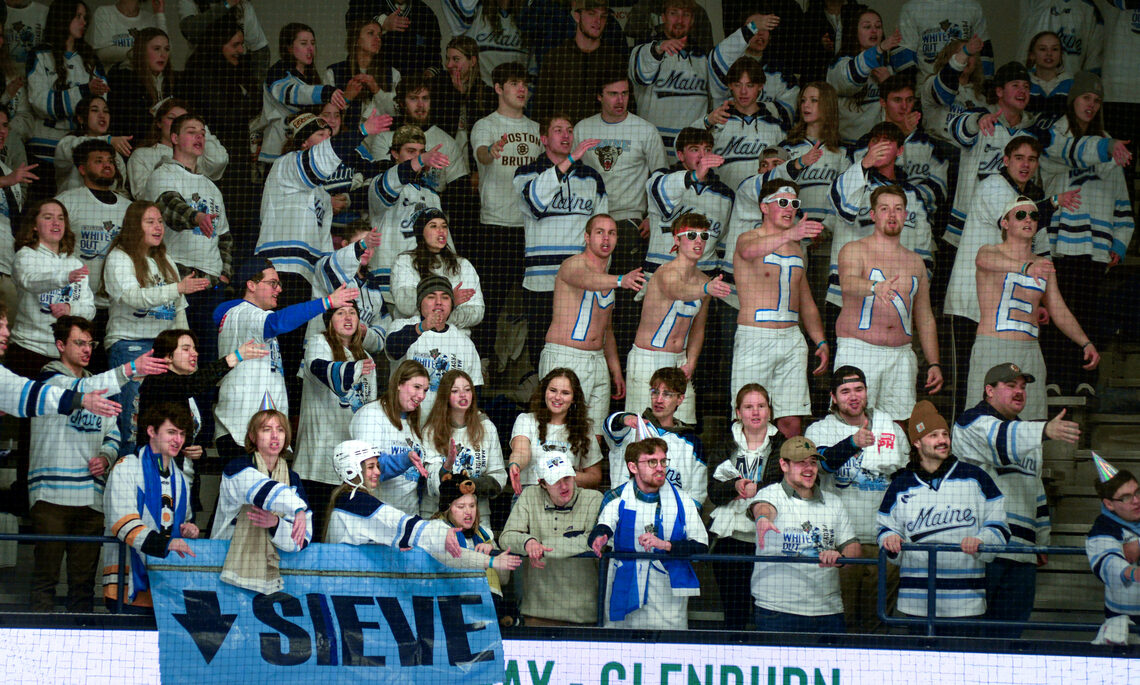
(931, 621)
(94, 539)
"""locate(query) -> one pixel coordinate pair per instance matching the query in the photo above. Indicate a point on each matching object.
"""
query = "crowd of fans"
(415, 212)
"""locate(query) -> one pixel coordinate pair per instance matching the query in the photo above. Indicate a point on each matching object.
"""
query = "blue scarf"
(149, 500)
(624, 598)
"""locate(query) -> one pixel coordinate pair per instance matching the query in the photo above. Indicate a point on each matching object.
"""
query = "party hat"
(646, 430)
(1104, 470)
(267, 403)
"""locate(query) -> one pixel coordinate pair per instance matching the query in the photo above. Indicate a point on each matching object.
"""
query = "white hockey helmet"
(347, 460)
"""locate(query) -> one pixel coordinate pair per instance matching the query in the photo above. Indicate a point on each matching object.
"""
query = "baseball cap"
(1006, 372)
(924, 418)
(847, 374)
(553, 467)
(1010, 71)
(774, 151)
(799, 448)
(584, 5)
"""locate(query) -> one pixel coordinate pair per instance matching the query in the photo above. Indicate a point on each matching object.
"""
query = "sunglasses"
(693, 235)
(1021, 214)
(784, 202)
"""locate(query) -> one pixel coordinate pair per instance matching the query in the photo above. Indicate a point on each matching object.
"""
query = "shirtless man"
(1012, 284)
(769, 267)
(673, 315)
(580, 336)
(883, 284)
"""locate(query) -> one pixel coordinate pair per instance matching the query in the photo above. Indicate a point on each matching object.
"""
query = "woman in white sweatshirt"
(146, 298)
(51, 282)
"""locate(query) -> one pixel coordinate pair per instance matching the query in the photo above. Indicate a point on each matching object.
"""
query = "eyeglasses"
(1021, 214)
(667, 394)
(86, 344)
(693, 235)
(1134, 496)
(654, 463)
(274, 285)
(784, 202)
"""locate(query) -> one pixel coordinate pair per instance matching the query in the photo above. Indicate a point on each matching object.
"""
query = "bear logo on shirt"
(608, 155)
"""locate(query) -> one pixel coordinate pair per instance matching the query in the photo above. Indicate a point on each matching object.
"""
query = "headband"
(782, 189)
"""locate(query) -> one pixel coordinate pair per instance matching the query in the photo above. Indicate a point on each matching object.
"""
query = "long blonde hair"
(828, 115)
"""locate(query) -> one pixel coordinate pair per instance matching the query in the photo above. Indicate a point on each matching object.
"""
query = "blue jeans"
(121, 353)
(777, 621)
(1010, 590)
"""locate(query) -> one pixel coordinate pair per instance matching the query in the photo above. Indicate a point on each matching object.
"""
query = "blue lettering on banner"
(374, 614)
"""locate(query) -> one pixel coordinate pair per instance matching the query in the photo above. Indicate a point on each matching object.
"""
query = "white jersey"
(740, 140)
(405, 278)
(926, 162)
(342, 267)
(927, 26)
(965, 503)
(26, 398)
(498, 205)
(284, 94)
(943, 97)
(128, 516)
(676, 89)
(144, 160)
(673, 192)
(1103, 224)
(990, 199)
(395, 198)
(54, 107)
(296, 210)
(62, 444)
(1104, 547)
(687, 469)
(815, 181)
(860, 105)
(557, 440)
(477, 460)
(371, 425)
(363, 520)
(807, 528)
(498, 43)
(332, 392)
(1010, 451)
(67, 174)
(629, 151)
(41, 280)
(1122, 50)
(243, 484)
(95, 224)
(859, 476)
(112, 33)
(138, 312)
(438, 352)
(191, 248)
(1078, 23)
(982, 155)
(242, 389)
(380, 144)
(555, 208)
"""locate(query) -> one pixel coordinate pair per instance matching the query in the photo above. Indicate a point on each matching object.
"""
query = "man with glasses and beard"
(774, 298)
(886, 299)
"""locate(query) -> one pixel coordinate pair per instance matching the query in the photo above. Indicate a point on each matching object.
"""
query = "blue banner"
(365, 614)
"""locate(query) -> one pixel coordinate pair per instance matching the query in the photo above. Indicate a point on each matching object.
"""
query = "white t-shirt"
(440, 352)
(496, 180)
(557, 440)
(807, 527)
(630, 150)
(95, 224)
(110, 31)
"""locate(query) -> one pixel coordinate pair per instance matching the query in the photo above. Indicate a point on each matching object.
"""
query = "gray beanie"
(1085, 82)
